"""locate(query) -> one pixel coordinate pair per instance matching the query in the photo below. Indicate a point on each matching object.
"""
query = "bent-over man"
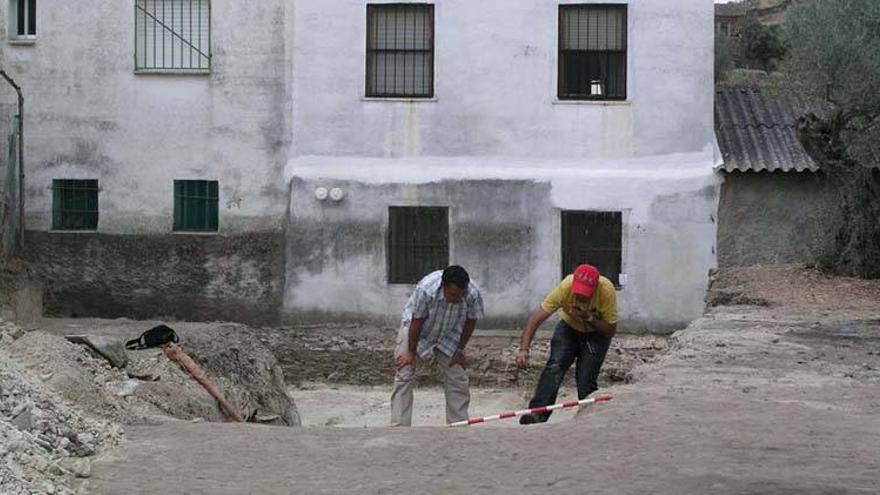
(588, 305)
(438, 320)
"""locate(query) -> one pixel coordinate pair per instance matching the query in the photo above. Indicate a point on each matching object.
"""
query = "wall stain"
(85, 154)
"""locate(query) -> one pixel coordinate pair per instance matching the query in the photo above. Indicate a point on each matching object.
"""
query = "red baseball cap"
(586, 278)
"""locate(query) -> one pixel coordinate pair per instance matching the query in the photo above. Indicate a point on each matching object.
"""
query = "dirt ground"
(353, 406)
(780, 395)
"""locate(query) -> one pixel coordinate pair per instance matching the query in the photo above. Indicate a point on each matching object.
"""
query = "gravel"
(46, 444)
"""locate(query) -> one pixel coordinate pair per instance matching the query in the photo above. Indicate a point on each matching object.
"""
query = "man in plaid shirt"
(438, 320)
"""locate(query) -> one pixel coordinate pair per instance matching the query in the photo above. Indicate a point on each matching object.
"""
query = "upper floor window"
(172, 35)
(592, 52)
(22, 19)
(400, 50)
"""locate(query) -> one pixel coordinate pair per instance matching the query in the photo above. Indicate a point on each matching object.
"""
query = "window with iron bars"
(172, 36)
(22, 19)
(74, 204)
(592, 52)
(400, 50)
(594, 237)
(418, 242)
(196, 205)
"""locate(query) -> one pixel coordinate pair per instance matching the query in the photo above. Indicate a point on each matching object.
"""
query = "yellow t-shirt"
(604, 300)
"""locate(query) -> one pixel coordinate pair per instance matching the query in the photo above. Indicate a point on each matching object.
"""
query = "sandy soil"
(779, 396)
(349, 406)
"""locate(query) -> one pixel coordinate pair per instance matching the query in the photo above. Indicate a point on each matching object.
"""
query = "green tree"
(834, 55)
(760, 46)
(724, 50)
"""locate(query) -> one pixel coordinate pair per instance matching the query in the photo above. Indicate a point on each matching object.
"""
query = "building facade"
(156, 135)
(515, 138)
(308, 160)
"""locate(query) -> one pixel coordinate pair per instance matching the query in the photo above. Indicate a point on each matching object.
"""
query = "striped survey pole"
(535, 410)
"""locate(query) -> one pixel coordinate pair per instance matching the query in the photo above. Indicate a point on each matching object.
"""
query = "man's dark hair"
(457, 276)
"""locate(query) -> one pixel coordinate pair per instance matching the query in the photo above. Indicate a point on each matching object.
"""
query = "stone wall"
(769, 217)
(189, 277)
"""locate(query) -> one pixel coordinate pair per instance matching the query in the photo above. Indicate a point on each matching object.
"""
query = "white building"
(517, 138)
(130, 96)
(309, 159)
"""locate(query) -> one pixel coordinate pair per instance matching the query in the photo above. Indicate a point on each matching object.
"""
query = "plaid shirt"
(444, 320)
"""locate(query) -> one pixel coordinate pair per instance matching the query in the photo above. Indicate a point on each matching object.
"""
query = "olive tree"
(834, 55)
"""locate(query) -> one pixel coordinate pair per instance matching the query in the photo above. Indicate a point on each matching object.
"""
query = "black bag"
(154, 337)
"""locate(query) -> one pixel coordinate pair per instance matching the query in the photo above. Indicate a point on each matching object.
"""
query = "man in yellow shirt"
(588, 305)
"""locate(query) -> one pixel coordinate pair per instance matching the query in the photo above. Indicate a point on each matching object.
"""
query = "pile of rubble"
(45, 444)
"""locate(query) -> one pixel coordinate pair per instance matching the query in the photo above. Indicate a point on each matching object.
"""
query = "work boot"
(527, 419)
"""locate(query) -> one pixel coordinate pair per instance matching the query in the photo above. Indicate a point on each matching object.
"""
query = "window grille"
(172, 35)
(592, 52)
(74, 204)
(418, 242)
(22, 19)
(400, 50)
(593, 237)
(196, 205)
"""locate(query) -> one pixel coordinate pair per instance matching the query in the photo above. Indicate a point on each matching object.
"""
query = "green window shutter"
(196, 205)
(74, 204)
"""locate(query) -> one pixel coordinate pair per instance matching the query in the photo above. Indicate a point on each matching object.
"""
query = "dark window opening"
(418, 242)
(592, 52)
(400, 50)
(196, 204)
(23, 14)
(74, 204)
(593, 237)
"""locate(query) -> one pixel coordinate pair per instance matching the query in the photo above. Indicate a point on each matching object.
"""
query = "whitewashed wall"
(495, 117)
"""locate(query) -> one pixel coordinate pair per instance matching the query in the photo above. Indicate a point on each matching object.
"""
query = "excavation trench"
(342, 377)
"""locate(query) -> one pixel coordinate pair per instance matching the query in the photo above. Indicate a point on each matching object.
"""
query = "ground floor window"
(74, 204)
(418, 242)
(593, 237)
(196, 205)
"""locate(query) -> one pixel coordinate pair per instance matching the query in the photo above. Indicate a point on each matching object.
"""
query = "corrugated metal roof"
(756, 131)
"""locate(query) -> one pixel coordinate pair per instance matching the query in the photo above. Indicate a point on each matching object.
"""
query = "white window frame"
(15, 15)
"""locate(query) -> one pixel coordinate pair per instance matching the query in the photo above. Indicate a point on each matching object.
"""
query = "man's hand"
(522, 358)
(458, 358)
(588, 316)
(408, 358)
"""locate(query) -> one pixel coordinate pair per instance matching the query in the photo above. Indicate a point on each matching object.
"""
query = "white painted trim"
(397, 99)
(598, 103)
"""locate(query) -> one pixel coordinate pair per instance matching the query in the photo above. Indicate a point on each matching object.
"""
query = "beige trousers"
(455, 387)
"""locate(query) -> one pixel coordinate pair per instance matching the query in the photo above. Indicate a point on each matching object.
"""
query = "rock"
(122, 388)
(23, 419)
(244, 369)
(17, 332)
(81, 468)
(85, 438)
(112, 349)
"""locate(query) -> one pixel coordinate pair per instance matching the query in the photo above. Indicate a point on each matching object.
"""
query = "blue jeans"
(568, 345)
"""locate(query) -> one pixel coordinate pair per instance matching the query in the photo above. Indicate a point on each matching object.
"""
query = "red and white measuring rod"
(535, 410)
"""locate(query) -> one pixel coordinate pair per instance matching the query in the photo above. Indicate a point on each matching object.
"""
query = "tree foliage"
(760, 46)
(834, 55)
(724, 57)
